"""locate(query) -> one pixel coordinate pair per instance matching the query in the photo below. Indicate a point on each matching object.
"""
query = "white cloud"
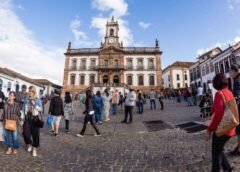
(20, 51)
(118, 9)
(221, 45)
(233, 4)
(144, 25)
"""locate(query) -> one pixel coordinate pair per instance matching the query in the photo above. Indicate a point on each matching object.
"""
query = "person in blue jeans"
(11, 111)
(98, 107)
(152, 95)
(140, 100)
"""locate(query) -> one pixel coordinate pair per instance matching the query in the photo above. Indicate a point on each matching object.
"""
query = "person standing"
(68, 110)
(56, 110)
(98, 107)
(32, 109)
(89, 111)
(234, 72)
(194, 95)
(21, 96)
(11, 112)
(140, 101)
(160, 99)
(200, 92)
(106, 104)
(152, 96)
(115, 101)
(129, 105)
(121, 99)
(189, 97)
(219, 159)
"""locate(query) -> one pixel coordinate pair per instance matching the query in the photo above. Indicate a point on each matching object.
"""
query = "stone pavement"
(122, 147)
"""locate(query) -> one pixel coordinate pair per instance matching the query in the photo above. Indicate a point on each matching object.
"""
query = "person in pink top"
(219, 159)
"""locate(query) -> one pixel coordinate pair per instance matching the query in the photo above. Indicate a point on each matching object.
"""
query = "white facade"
(176, 77)
(10, 83)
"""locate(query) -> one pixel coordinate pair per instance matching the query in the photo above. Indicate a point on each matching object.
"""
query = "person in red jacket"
(219, 159)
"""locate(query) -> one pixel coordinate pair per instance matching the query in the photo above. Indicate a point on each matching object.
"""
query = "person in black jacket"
(2, 99)
(236, 93)
(56, 110)
(89, 111)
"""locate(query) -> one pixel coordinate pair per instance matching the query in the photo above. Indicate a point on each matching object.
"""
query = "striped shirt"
(11, 111)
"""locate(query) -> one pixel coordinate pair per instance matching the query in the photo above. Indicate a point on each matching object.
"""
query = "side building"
(176, 75)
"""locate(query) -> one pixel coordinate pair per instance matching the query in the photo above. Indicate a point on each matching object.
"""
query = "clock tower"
(111, 38)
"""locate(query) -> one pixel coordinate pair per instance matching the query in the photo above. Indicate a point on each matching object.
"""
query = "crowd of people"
(23, 112)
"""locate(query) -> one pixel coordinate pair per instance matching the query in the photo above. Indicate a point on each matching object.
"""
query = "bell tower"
(111, 37)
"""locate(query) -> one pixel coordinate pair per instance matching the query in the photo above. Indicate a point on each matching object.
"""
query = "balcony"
(104, 67)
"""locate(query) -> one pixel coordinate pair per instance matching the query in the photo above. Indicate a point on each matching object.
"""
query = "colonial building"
(112, 65)
(213, 62)
(176, 75)
(13, 81)
(49, 87)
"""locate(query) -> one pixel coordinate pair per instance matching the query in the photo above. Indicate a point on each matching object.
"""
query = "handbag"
(37, 121)
(11, 125)
(230, 119)
(49, 120)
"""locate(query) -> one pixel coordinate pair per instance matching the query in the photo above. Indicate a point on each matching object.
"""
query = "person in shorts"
(56, 110)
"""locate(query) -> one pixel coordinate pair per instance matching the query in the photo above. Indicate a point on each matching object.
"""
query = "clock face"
(111, 40)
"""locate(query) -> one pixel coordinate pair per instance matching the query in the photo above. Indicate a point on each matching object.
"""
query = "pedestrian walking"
(32, 110)
(129, 105)
(11, 118)
(152, 96)
(98, 107)
(68, 110)
(121, 100)
(234, 72)
(56, 110)
(219, 160)
(189, 97)
(106, 104)
(89, 111)
(115, 101)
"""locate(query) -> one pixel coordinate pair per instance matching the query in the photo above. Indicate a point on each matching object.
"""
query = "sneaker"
(67, 131)
(29, 148)
(9, 151)
(124, 121)
(100, 122)
(15, 151)
(34, 153)
(56, 134)
(79, 135)
(107, 120)
(97, 135)
(235, 152)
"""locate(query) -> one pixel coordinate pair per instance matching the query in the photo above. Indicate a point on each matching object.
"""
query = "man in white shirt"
(152, 95)
(129, 105)
(200, 92)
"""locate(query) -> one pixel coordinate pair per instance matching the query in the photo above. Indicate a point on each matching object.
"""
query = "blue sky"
(184, 28)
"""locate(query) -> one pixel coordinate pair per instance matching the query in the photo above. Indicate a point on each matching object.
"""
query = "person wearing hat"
(234, 72)
(56, 110)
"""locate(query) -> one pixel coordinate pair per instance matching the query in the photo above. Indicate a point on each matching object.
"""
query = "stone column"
(159, 71)
(65, 75)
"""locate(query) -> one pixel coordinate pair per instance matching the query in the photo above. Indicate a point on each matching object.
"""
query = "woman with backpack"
(68, 110)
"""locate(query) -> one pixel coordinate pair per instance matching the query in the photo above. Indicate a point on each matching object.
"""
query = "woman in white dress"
(68, 110)
(107, 104)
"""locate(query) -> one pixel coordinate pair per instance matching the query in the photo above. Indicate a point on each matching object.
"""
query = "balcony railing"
(114, 67)
(118, 67)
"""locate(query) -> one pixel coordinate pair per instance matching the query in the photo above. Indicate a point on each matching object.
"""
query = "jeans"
(161, 103)
(153, 103)
(114, 108)
(218, 157)
(140, 107)
(178, 99)
(98, 115)
(88, 118)
(11, 136)
(128, 110)
(194, 100)
(189, 101)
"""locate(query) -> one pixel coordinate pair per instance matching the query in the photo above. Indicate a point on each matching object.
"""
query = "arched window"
(92, 79)
(72, 79)
(140, 80)
(115, 63)
(207, 69)
(129, 80)
(111, 32)
(151, 80)
(150, 64)
(129, 64)
(82, 79)
(203, 70)
(74, 64)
